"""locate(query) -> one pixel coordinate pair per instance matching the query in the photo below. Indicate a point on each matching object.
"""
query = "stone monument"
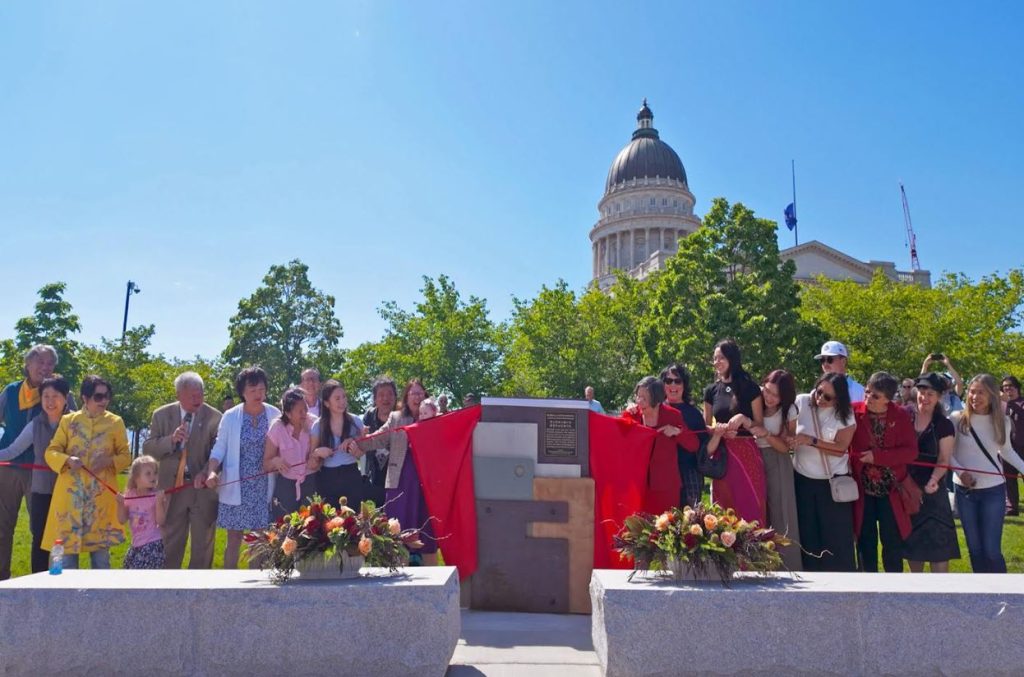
(535, 506)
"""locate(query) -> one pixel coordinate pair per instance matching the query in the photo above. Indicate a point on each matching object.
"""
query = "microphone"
(187, 421)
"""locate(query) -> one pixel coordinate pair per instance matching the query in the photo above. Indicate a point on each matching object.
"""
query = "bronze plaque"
(560, 434)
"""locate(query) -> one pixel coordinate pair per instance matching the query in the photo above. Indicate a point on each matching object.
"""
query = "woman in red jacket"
(663, 482)
(883, 444)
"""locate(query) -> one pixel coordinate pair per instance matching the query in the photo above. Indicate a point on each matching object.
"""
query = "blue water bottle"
(57, 558)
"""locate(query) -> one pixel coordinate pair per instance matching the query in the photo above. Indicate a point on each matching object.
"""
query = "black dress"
(933, 535)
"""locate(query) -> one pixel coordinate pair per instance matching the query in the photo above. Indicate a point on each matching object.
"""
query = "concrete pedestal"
(819, 623)
(228, 623)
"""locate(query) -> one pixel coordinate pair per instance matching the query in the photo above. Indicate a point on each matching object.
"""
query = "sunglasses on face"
(100, 396)
(668, 380)
(823, 396)
(829, 359)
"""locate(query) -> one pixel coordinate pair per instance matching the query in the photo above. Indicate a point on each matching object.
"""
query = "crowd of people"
(846, 467)
(840, 470)
(200, 468)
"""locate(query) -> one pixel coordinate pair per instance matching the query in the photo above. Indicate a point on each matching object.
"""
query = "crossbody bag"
(844, 488)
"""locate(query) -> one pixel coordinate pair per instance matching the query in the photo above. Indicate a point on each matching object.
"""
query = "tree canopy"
(285, 326)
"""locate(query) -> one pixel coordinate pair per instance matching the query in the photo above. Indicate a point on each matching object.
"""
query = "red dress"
(663, 482)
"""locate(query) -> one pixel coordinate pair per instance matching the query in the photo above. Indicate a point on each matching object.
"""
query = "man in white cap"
(833, 361)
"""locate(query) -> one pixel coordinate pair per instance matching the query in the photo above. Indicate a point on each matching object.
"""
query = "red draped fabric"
(442, 449)
(620, 455)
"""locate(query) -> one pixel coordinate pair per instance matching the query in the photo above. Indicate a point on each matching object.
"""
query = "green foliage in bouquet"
(321, 530)
(707, 539)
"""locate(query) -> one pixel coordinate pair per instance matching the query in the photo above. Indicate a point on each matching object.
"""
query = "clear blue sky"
(190, 146)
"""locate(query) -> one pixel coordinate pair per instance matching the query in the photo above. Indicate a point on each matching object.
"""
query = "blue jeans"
(98, 559)
(981, 515)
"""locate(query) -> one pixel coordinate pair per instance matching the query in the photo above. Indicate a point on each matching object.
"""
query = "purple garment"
(407, 505)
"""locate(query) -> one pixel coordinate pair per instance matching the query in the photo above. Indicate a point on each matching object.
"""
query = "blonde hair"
(991, 386)
(137, 465)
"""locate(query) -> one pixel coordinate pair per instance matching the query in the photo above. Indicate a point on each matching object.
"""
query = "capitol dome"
(646, 209)
(646, 156)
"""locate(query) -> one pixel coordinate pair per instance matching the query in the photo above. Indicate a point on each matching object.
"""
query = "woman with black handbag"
(982, 437)
(824, 490)
(731, 403)
(676, 379)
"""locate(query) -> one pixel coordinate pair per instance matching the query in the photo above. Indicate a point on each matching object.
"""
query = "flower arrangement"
(705, 540)
(319, 530)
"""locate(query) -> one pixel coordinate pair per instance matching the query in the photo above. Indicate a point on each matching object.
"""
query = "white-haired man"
(19, 404)
(181, 436)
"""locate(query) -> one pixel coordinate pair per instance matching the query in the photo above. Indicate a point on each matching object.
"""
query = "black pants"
(879, 523)
(826, 527)
(39, 508)
(345, 480)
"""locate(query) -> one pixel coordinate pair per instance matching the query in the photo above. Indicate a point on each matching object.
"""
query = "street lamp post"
(132, 289)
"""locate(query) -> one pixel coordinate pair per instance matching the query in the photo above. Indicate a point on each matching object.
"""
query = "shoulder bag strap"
(984, 450)
(817, 433)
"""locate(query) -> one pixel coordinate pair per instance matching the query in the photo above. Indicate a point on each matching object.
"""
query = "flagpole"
(796, 225)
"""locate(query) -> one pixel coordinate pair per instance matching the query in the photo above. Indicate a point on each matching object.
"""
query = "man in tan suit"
(181, 436)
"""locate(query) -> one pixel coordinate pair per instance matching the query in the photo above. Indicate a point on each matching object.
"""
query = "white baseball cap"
(832, 349)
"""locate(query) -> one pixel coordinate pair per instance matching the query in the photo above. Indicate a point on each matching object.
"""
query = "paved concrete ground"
(499, 644)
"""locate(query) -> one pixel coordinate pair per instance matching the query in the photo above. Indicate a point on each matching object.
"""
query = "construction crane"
(915, 263)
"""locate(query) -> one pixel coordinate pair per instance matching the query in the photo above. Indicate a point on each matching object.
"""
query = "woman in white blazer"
(238, 454)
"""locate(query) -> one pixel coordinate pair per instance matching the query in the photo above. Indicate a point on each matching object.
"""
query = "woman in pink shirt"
(288, 453)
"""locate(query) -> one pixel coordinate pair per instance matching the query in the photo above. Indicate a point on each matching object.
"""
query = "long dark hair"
(842, 404)
(737, 374)
(326, 436)
(783, 380)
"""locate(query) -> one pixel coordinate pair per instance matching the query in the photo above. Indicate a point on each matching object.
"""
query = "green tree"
(727, 281)
(11, 362)
(286, 326)
(53, 322)
(560, 342)
(140, 380)
(449, 343)
(891, 326)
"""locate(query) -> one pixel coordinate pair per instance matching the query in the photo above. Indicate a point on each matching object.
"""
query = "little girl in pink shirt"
(145, 509)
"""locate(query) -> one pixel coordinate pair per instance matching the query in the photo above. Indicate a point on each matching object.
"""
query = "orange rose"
(335, 523)
(288, 546)
(365, 545)
(696, 530)
(710, 522)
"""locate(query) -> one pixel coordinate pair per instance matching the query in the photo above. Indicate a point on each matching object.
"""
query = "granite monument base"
(817, 624)
(219, 622)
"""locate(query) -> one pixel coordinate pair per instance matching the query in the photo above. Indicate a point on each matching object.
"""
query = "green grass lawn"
(20, 564)
(1013, 547)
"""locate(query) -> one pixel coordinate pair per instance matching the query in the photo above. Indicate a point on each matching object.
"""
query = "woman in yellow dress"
(83, 512)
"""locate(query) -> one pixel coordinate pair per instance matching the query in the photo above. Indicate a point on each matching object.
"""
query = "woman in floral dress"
(88, 450)
(238, 454)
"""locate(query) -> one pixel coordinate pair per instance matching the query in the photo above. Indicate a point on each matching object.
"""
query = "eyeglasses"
(102, 396)
(668, 380)
(822, 395)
